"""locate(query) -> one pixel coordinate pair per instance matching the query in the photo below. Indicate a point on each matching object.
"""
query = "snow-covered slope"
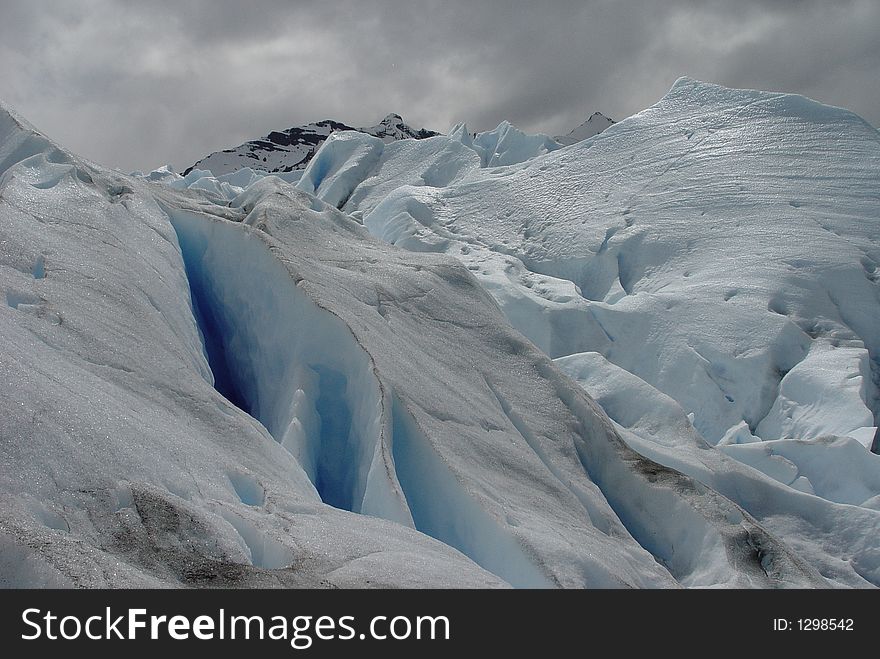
(595, 124)
(290, 150)
(254, 390)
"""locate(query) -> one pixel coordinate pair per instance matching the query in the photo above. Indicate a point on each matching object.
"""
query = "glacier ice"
(237, 380)
(710, 245)
(121, 464)
(506, 144)
(719, 247)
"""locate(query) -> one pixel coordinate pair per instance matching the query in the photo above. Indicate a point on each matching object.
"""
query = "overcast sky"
(137, 84)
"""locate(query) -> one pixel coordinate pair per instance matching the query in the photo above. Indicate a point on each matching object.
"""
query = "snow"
(647, 359)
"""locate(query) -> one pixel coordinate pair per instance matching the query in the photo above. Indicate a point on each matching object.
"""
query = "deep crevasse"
(291, 365)
(297, 369)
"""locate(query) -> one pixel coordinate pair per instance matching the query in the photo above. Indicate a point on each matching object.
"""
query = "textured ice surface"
(721, 245)
(720, 248)
(120, 463)
(227, 381)
(770, 479)
(506, 144)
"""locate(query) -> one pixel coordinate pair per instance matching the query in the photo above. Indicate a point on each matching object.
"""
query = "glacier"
(286, 154)
(719, 245)
(644, 359)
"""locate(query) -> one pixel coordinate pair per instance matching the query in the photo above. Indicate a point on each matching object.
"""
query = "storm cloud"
(135, 85)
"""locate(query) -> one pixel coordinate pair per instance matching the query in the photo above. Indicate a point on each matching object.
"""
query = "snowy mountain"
(290, 150)
(595, 124)
(645, 360)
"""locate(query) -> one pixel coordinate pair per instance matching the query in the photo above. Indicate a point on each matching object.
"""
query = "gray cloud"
(135, 85)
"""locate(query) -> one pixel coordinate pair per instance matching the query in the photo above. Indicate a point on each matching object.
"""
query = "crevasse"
(298, 370)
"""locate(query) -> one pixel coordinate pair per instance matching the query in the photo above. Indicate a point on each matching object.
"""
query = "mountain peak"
(291, 150)
(393, 128)
(595, 124)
